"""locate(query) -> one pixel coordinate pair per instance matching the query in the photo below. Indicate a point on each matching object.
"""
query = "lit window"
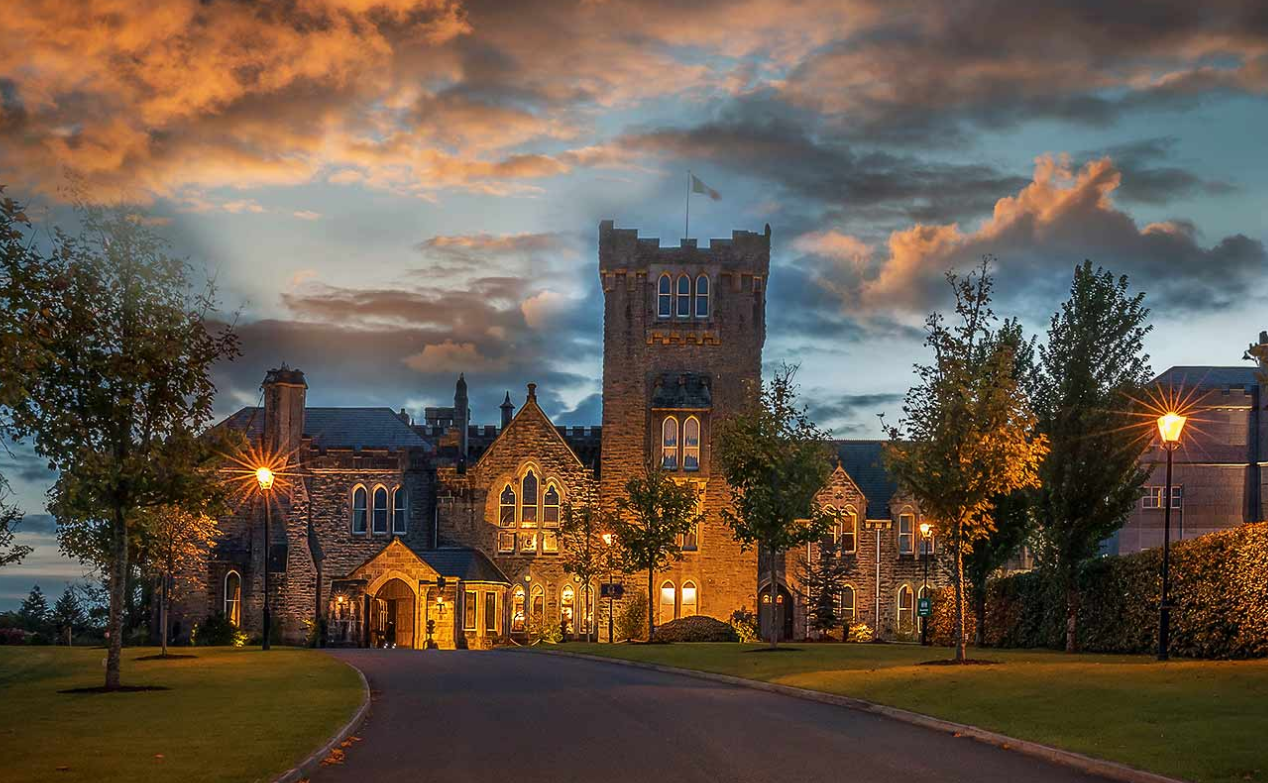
(906, 522)
(668, 603)
(669, 444)
(702, 296)
(1151, 496)
(847, 604)
(684, 297)
(906, 610)
(688, 599)
(550, 506)
(664, 298)
(506, 541)
(528, 496)
(233, 597)
(469, 610)
(538, 604)
(506, 507)
(380, 510)
(517, 609)
(528, 541)
(850, 532)
(400, 510)
(491, 612)
(358, 510)
(550, 541)
(691, 444)
(567, 603)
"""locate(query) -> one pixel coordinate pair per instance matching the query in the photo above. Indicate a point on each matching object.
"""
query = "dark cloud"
(38, 524)
(1149, 175)
(21, 463)
(851, 414)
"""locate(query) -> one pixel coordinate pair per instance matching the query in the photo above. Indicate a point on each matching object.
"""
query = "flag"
(699, 187)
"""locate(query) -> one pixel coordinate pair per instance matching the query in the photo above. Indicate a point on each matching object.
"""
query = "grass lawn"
(230, 715)
(1198, 720)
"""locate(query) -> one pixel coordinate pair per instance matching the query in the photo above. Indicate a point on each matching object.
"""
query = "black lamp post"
(607, 540)
(925, 530)
(265, 478)
(1169, 427)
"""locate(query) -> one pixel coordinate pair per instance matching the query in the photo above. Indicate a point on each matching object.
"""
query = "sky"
(390, 192)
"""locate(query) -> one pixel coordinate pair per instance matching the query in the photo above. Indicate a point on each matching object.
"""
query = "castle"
(390, 527)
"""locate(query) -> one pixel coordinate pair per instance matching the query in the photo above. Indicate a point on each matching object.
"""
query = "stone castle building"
(391, 531)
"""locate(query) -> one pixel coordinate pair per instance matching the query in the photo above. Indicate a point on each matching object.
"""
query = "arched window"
(400, 510)
(506, 507)
(233, 597)
(567, 603)
(517, 609)
(684, 296)
(847, 604)
(668, 603)
(849, 531)
(664, 298)
(906, 610)
(906, 530)
(550, 506)
(691, 444)
(688, 599)
(538, 603)
(380, 510)
(833, 534)
(528, 500)
(925, 592)
(358, 510)
(702, 296)
(669, 444)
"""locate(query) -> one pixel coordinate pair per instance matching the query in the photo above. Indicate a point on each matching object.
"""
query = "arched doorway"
(392, 615)
(783, 613)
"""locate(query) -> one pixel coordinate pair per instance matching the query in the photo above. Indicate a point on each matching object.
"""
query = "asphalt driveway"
(470, 717)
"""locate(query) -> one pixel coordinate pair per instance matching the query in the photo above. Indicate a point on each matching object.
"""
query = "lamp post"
(1170, 426)
(607, 541)
(925, 529)
(265, 478)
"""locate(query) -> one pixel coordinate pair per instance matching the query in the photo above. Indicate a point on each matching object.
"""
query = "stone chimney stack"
(461, 414)
(508, 411)
(285, 394)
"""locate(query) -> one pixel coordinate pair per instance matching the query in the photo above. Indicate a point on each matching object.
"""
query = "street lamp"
(925, 530)
(1170, 426)
(264, 476)
(607, 541)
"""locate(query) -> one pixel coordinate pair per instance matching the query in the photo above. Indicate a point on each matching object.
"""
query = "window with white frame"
(358, 510)
(1151, 496)
(668, 603)
(906, 533)
(506, 507)
(400, 511)
(490, 612)
(691, 444)
(550, 506)
(537, 603)
(233, 598)
(567, 606)
(906, 609)
(664, 297)
(846, 606)
(669, 443)
(517, 609)
(683, 309)
(833, 534)
(849, 531)
(702, 296)
(689, 597)
(379, 517)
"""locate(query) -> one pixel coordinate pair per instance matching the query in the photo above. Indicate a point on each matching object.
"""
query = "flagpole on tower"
(686, 225)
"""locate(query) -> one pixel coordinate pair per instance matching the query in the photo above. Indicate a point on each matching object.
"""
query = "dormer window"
(664, 297)
(669, 444)
(702, 296)
(684, 296)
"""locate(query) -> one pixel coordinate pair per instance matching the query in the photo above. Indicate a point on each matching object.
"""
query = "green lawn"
(1198, 720)
(230, 715)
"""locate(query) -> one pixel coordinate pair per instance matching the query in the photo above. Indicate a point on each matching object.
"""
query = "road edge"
(310, 764)
(1111, 770)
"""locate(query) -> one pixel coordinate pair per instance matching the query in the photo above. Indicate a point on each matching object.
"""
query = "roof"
(1204, 377)
(331, 428)
(682, 390)
(469, 565)
(864, 462)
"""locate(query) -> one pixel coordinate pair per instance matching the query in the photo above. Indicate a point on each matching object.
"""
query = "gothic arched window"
(550, 506)
(517, 609)
(528, 500)
(233, 597)
(358, 510)
(380, 510)
(684, 296)
(669, 444)
(702, 296)
(400, 510)
(691, 444)
(688, 599)
(506, 507)
(664, 297)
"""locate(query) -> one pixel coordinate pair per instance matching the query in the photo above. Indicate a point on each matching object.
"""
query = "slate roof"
(682, 390)
(469, 565)
(1203, 377)
(349, 428)
(864, 461)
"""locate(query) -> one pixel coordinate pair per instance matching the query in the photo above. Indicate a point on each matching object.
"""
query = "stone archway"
(393, 611)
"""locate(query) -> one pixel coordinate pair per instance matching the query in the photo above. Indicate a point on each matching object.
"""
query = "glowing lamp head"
(925, 529)
(265, 477)
(1170, 426)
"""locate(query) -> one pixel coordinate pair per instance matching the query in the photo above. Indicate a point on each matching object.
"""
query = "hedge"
(697, 628)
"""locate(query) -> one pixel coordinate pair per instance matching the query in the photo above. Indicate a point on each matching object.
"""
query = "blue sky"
(390, 192)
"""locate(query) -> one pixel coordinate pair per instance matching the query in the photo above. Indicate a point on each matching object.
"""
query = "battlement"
(623, 249)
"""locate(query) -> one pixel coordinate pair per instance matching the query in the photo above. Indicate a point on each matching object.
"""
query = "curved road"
(470, 717)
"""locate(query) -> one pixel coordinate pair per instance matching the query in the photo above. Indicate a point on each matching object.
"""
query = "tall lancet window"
(669, 444)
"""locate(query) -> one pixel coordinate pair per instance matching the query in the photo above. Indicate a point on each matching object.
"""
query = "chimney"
(532, 394)
(285, 394)
(461, 414)
(508, 411)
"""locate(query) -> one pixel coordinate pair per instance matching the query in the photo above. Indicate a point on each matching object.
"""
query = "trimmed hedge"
(698, 628)
(1219, 593)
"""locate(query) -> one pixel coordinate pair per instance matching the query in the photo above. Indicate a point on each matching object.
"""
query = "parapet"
(623, 249)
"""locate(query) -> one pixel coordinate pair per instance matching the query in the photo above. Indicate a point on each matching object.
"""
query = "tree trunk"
(118, 597)
(1071, 617)
(774, 602)
(961, 651)
(163, 614)
(651, 627)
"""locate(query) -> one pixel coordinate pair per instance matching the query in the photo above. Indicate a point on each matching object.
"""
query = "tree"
(34, 610)
(1090, 372)
(585, 553)
(10, 516)
(1012, 527)
(823, 580)
(120, 387)
(775, 461)
(652, 514)
(67, 613)
(967, 435)
(176, 541)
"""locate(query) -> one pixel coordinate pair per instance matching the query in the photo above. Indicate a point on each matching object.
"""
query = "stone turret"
(285, 395)
(508, 410)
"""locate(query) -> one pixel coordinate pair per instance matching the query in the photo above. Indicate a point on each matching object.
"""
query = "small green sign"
(924, 607)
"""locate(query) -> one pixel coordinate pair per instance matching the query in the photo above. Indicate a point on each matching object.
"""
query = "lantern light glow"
(265, 477)
(1170, 425)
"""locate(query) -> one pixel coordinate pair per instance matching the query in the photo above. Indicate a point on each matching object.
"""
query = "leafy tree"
(1012, 518)
(10, 516)
(34, 610)
(120, 387)
(654, 511)
(775, 461)
(823, 580)
(1090, 372)
(967, 435)
(67, 613)
(176, 541)
(585, 554)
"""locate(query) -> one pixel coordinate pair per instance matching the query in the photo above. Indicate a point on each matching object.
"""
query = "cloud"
(1150, 177)
(850, 414)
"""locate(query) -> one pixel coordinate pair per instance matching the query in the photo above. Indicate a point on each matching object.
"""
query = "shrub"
(860, 632)
(698, 628)
(12, 636)
(744, 621)
(217, 631)
(631, 622)
(541, 631)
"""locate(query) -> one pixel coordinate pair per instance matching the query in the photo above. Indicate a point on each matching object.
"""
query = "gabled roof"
(864, 462)
(333, 428)
(469, 565)
(1208, 377)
